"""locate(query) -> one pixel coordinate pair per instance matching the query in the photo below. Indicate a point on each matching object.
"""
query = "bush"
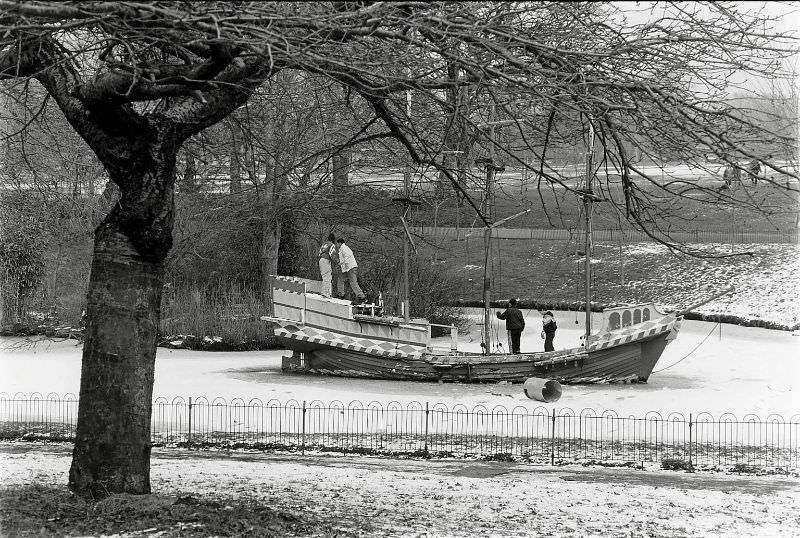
(676, 464)
(22, 262)
(745, 469)
(218, 239)
(431, 289)
(218, 319)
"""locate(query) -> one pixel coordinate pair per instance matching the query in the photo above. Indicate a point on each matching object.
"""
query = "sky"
(786, 20)
(786, 14)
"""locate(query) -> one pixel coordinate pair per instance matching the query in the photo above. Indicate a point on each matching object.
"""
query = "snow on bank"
(767, 282)
(352, 495)
(710, 367)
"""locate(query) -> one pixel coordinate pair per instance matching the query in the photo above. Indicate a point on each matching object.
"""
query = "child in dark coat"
(548, 330)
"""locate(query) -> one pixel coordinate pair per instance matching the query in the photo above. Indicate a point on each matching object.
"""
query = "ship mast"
(491, 169)
(407, 202)
(588, 197)
(487, 244)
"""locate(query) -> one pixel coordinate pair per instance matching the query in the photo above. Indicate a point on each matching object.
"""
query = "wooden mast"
(587, 205)
(491, 168)
(487, 245)
(407, 203)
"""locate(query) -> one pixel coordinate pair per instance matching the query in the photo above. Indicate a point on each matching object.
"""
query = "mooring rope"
(714, 328)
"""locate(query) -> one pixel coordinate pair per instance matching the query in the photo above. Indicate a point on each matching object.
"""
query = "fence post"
(690, 439)
(427, 414)
(189, 437)
(303, 434)
(553, 439)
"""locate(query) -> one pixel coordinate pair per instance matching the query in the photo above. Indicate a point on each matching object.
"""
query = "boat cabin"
(309, 321)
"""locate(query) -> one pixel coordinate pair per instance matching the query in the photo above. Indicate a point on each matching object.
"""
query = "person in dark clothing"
(753, 170)
(548, 330)
(515, 323)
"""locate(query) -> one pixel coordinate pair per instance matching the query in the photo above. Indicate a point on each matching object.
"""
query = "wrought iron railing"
(415, 428)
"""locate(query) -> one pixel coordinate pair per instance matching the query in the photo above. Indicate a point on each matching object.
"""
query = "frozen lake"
(709, 368)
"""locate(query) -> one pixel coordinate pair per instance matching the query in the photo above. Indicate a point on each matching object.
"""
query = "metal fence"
(436, 430)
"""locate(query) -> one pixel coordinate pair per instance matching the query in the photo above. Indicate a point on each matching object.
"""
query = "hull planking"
(331, 337)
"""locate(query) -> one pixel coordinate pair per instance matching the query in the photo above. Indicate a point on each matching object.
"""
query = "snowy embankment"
(765, 279)
(766, 283)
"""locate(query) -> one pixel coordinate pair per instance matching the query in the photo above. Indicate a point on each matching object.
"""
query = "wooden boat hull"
(328, 338)
(630, 362)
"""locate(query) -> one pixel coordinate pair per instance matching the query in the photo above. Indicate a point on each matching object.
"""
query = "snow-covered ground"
(716, 368)
(363, 496)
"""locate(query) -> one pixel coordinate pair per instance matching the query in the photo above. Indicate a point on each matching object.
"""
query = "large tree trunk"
(112, 445)
(190, 175)
(271, 228)
(235, 168)
(270, 242)
(341, 170)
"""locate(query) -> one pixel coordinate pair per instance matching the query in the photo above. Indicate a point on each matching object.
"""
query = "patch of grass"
(677, 464)
(501, 456)
(744, 468)
(215, 319)
(55, 511)
(604, 463)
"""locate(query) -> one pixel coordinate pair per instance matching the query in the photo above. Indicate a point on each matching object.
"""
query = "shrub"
(215, 318)
(218, 239)
(22, 262)
(431, 289)
(501, 456)
(676, 464)
(745, 469)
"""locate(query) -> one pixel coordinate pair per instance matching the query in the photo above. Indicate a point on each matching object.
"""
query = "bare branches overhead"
(655, 80)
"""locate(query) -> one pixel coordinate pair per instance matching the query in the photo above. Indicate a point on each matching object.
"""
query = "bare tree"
(136, 80)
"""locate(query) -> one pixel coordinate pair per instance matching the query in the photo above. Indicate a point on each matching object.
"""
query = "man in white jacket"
(347, 261)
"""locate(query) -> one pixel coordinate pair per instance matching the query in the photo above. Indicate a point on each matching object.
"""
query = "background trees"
(301, 86)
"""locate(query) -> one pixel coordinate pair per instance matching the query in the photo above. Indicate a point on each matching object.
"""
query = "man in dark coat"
(515, 323)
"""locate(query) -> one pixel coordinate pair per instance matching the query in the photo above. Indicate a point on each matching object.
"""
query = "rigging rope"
(714, 328)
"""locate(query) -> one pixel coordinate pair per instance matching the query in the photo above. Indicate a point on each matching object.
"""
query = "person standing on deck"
(347, 261)
(515, 323)
(325, 269)
(338, 277)
(548, 330)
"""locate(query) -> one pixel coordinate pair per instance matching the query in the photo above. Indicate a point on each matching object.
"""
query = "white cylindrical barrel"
(543, 390)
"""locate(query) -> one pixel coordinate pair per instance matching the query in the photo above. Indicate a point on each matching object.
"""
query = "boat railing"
(274, 319)
(619, 317)
(453, 340)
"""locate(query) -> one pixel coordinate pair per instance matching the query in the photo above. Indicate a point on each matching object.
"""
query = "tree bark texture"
(270, 230)
(112, 445)
(235, 169)
(190, 175)
(341, 170)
